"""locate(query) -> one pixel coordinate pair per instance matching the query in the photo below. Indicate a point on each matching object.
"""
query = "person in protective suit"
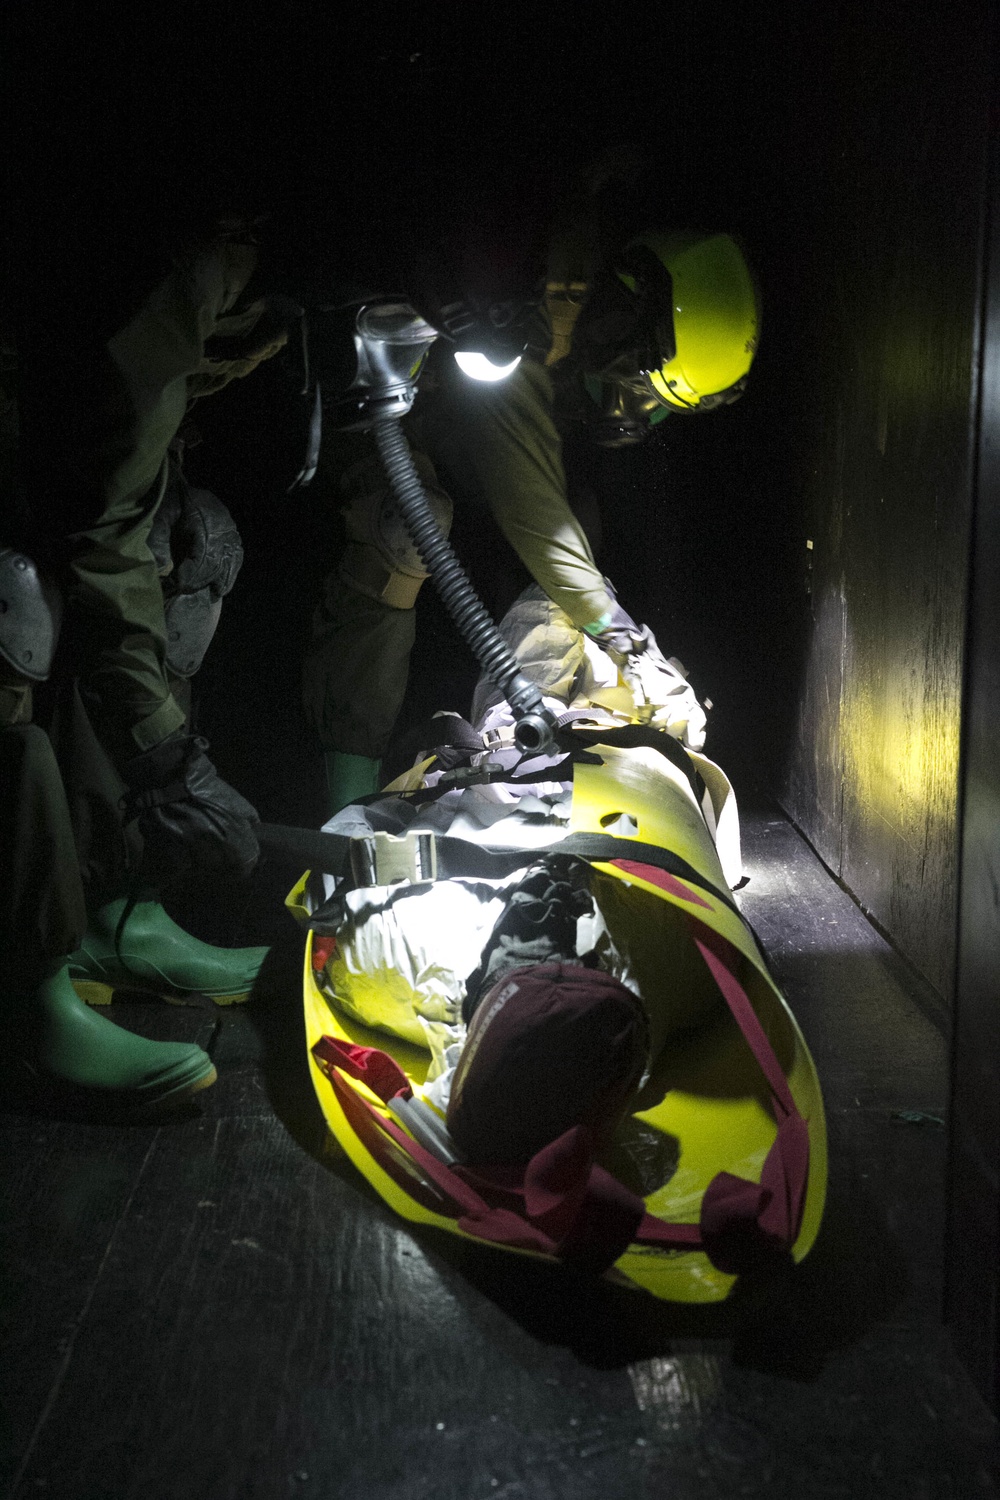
(50, 1031)
(142, 562)
(668, 324)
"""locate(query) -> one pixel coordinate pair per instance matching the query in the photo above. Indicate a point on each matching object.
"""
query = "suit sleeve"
(100, 467)
(501, 442)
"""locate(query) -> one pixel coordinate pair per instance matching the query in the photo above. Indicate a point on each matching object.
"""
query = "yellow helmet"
(702, 316)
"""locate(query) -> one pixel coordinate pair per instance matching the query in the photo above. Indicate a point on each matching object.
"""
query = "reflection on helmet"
(702, 316)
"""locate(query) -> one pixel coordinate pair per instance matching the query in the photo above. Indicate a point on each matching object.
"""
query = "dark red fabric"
(377, 1069)
(393, 1156)
(604, 1225)
(785, 1174)
(663, 879)
(775, 1207)
(555, 1181)
(654, 1231)
(722, 958)
(324, 945)
(590, 1214)
(731, 1235)
(586, 1216)
(550, 1046)
(502, 1226)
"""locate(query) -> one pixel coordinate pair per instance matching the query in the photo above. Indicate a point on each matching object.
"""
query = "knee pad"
(380, 559)
(30, 616)
(198, 554)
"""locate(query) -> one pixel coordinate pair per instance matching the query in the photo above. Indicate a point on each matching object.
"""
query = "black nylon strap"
(460, 857)
(461, 777)
(330, 852)
(636, 737)
(576, 743)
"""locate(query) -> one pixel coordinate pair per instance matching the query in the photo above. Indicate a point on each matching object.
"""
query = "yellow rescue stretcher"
(726, 1149)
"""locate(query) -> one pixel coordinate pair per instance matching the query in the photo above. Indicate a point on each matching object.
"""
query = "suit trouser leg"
(355, 670)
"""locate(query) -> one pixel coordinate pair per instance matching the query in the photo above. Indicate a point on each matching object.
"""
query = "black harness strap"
(576, 742)
(460, 857)
(639, 737)
(330, 852)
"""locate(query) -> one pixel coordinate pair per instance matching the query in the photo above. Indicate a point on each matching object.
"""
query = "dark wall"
(879, 128)
(973, 1259)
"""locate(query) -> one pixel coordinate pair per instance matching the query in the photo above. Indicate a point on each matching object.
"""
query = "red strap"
(715, 951)
(653, 875)
(477, 1217)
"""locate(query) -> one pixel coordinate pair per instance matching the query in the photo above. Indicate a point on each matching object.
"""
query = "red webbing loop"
(369, 1065)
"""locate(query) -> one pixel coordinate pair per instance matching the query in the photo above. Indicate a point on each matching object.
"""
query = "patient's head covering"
(550, 1046)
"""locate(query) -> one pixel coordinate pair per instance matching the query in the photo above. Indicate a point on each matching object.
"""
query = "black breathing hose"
(534, 724)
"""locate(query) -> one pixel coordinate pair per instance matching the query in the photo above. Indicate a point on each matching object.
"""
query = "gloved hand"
(241, 341)
(189, 818)
(618, 632)
(663, 696)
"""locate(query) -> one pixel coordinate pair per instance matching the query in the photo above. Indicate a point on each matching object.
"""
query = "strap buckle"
(499, 739)
(388, 859)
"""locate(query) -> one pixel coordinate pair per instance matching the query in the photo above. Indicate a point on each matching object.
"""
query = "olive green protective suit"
(98, 469)
(97, 419)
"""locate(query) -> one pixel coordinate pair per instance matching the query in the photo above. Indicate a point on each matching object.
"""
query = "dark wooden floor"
(216, 1309)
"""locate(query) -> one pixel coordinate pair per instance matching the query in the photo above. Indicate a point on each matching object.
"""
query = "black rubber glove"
(189, 818)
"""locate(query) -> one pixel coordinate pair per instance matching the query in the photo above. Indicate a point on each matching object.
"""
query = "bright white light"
(480, 368)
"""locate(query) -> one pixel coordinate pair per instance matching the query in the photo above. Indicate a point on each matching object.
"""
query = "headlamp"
(488, 338)
(479, 367)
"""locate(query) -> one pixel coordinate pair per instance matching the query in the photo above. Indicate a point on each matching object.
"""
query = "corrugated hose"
(535, 725)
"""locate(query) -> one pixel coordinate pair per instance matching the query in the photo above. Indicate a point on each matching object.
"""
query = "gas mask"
(622, 409)
(368, 355)
(614, 344)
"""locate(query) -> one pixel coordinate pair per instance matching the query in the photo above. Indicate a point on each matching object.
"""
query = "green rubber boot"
(67, 1045)
(134, 945)
(349, 777)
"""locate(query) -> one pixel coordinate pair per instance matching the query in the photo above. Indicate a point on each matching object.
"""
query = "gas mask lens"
(625, 412)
